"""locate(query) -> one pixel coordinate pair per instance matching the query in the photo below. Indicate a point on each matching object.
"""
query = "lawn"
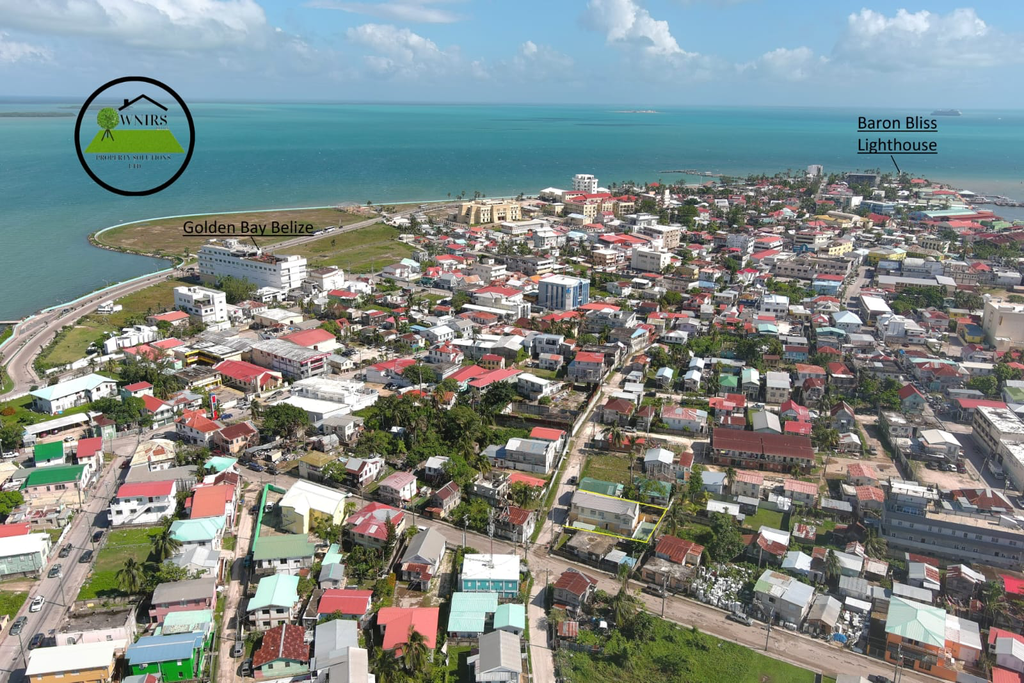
(673, 654)
(613, 468)
(121, 544)
(54, 535)
(11, 602)
(457, 664)
(228, 542)
(359, 251)
(164, 236)
(769, 518)
(23, 413)
(90, 328)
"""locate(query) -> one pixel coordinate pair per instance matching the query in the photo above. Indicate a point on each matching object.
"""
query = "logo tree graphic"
(108, 119)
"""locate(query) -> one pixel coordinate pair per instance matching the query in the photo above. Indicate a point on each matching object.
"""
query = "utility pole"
(664, 594)
(768, 630)
(899, 658)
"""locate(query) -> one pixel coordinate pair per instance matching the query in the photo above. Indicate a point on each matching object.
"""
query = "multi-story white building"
(563, 293)
(668, 234)
(235, 259)
(206, 306)
(291, 360)
(1003, 324)
(584, 182)
(143, 503)
(649, 260)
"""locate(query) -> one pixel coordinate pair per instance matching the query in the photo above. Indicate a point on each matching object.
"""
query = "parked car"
(85, 557)
(878, 678)
(18, 625)
(69, 439)
(37, 603)
(66, 551)
(246, 669)
(740, 618)
(55, 571)
(655, 590)
(98, 536)
(238, 649)
(37, 640)
(256, 467)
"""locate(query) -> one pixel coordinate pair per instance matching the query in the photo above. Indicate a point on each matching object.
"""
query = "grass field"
(164, 236)
(358, 251)
(90, 328)
(672, 654)
(769, 518)
(11, 602)
(613, 468)
(121, 544)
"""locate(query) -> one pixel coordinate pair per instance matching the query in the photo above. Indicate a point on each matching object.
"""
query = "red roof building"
(8, 530)
(777, 452)
(87, 448)
(678, 550)
(210, 501)
(284, 643)
(398, 622)
(311, 339)
(547, 434)
(149, 489)
(351, 603)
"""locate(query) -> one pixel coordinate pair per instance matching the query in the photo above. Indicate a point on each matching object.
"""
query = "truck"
(995, 468)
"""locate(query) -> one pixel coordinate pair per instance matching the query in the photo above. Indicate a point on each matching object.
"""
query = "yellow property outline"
(663, 509)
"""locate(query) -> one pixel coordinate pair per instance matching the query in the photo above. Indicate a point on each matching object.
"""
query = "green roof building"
(333, 555)
(219, 463)
(54, 483)
(469, 613)
(275, 601)
(49, 454)
(916, 621)
(287, 553)
(510, 617)
(728, 382)
(203, 531)
(605, 488)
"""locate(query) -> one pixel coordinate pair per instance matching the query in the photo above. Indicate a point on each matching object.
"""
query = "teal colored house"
(510, 617)
(469, 614)
(177, 657)
(490, 574)
(605, 488)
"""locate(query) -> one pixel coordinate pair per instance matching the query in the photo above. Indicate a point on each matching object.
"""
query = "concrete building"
(143, 503)
(783, 596)
(81, 663)
(490, 574)
(236, 259)
(59, 397)
(563, 293)
(604, 512)
(487, 211)
(291, 360)
(305, 502)
(1003, 324)
(649, 260)
(584, 182)
(206, 306)
(23, 555)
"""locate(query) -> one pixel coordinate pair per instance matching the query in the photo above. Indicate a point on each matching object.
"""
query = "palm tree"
(995, 596)
(730, 473)
(832, 568)
(624, 604)
(875, 545)
(616, 437)
(415, 654)
(163, 544)
(130, 577)
(388, 669)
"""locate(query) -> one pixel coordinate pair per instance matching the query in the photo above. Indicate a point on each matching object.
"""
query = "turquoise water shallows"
(251, 156)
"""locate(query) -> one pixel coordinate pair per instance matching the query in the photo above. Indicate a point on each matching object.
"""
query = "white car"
(37, 604)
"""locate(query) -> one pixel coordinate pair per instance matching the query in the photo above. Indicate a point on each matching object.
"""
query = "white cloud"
(786, 64)
(625, 22)
(415, 11)
(533, 61)
(151, 24)
(916, 40)
(402, 53)
(12, 51)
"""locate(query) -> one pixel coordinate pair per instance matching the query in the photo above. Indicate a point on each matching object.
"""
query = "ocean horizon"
(262, 155)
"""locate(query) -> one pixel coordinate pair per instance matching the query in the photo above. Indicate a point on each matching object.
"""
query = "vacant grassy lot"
(121, 544)
(135, 142)
(93, 327)
(164, 236)
(359, 251)
(676, 655)
(11, 602)
(613, 468)
(769, 518)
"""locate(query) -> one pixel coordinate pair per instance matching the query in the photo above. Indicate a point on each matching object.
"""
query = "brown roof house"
(574, 589)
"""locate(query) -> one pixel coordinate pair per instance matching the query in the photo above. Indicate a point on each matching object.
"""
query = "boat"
(946, 112)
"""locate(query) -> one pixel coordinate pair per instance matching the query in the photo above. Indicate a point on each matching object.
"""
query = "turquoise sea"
(251, 156)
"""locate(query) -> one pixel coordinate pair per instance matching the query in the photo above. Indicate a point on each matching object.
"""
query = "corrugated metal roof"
(151, 649)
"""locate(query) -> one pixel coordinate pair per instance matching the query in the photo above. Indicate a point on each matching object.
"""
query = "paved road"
(31, 336)
(228, 667)
(61, 592)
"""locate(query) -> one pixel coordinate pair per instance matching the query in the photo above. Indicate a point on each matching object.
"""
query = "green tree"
(832, 566)
(107, 119)
(331, 327)
(236, 289)
(283, 420)
(695, 486)
(986, 384)
(875, 545)
(10, 435)
(8, 501)
(130, 577)
(522, 494)
(995, 598)
(416, 654)
(163, 544)
(727, 541)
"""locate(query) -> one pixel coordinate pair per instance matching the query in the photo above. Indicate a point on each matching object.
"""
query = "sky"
(638, 53)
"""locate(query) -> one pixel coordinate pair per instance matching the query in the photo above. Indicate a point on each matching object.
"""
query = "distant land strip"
(35, 114)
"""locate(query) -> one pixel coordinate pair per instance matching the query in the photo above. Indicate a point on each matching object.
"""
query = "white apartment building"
(563, 293)
(649, 260)
(669, 235)
(291, 360)
(584, 182)
(995, 426)
(144, 503)
(207, 306)
(1003, 324)
(776, 304)
(235, 259)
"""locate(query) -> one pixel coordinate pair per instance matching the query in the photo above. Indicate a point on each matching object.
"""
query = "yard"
(164, 236)
(674, 654)
(11, 602)
(359, 251)
(769, 518)
(606, 467)
(121, 544)
(21, 412)
(72, 343)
